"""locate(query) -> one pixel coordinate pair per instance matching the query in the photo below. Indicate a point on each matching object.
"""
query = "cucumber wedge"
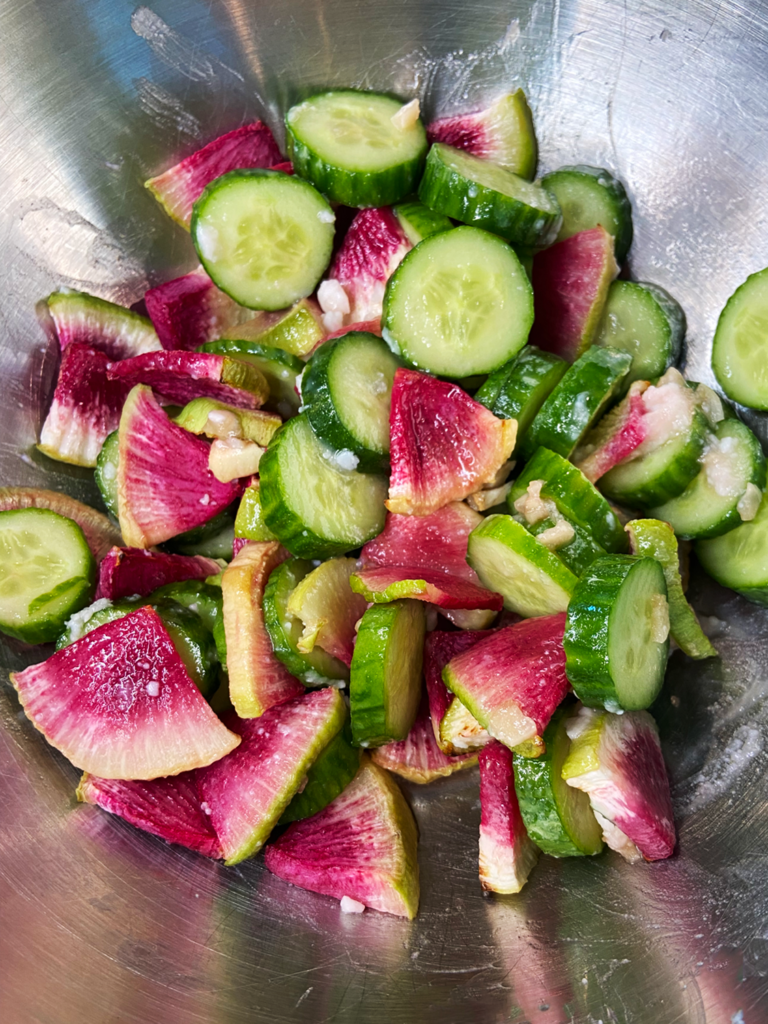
(249, 522)
(739, 349)
(617, 633)
(418, 221)
(334, 769)
(105, 473)
(589, 196)
(295, 331)
(739, 559)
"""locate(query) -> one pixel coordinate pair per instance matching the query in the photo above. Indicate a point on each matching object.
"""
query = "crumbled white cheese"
(76, 623)
(223, 423)
(231, 458)
(207, 240)
(749, 503)
(343, 459)
(556, 536)
(533, 507)
(350, 906)
(326, 216)
(153, 688)
(720, 469)
(332, 297)
(332, 322)
(407, 116)
(659, 618)
(485, 499)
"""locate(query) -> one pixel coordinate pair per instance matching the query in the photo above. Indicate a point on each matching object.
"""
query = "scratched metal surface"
(99, 923)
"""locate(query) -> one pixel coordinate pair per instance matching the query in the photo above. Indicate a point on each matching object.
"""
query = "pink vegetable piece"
(617, 436)
(570, 286)
(119, 704)
(85, 407)
(164, 484)
(181, 376)
(178, 188)
(82, 319)
(513, 681)
(439, 649)
(169, 808)
(190, 311)
(501, 133)
(507, 855)
(368, 326)
(444, 445)
(126, 571)
(389, 583)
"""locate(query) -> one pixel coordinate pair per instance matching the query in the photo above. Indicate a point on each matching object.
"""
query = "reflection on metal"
(101, 923)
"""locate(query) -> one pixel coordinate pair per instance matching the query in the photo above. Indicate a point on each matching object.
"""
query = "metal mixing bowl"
(100, 923)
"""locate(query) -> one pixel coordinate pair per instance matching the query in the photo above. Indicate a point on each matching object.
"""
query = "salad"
(399, 481)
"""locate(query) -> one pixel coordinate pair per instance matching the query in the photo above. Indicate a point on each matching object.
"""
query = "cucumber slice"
(212, 540)
(713, 503)
(576, 498)
(296, 331)
(518, 389)
(589, 196)
(557, 817)
(617, 633)
(315, 667)
(645, 321)
(482, 194)
(351, 146)
(418, 221)
(739, 559)
(385, 678)
(279, 368)
(662, 473)
(532, 580)
(105, 473)
(657, 539)
(347, 390)
(740, 346)
(249, 522)
(578, 553)
(334, 769)
(459, 304)
(47, 573)
(263, 237)
(312, 499)
(577, 401)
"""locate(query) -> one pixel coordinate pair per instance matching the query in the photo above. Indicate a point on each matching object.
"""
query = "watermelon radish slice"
(257, 680)
(364, 326)
(178, 188)
(390, 583)
(507, 855)
(127, 571)
(119, 704)
(85, 407)
(181, 376)
(444, 445)
(418, 757)
(513, 681)
(439, 649)
(81, 319)
(362, 846)
(616, 437)
(249, 790)
(164, 485)
(372, 248)
(168, 808)
(437, 541)
(570, 285)
(617, 761)
(100, 534)
(190, 311)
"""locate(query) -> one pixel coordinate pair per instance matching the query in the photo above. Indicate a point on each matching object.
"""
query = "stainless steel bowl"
(103, 924)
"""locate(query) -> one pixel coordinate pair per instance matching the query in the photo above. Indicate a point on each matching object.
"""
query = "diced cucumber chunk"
(557, 817)
(47, 573)
(295, 331)
(617, 633)
(589, 196)
(354, 149)
(330, 775)
(311, 497)
(714, 502)
(459, 304)
(347, 390)
(105, 473)
(740, 347)
(509, 560)
(385, 677)
(578, 553)
(739, 559)
(484, 195)
(263, 237)
(280, 369)
(213, 539)
(418, 221)
(249, 522)
(645, 321)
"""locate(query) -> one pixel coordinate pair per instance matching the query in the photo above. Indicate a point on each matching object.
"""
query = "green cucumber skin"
(105, 473)
(249, 521)
(614, 197)
(739, 559)
(576, 497)
(518, 389)
(418, 221)
(577, 401)
(445, 190)
(212, 540)
(280, 369)
(330, 775)
(670, 482)
(578, 554)
(724, 362)
(586, 639)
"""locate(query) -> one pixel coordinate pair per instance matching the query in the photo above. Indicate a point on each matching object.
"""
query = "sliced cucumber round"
(316, 668)
(484, 195)
(459, 304)
(713, 503)
(739, 559)
(645, 321)
(617, 633)
(385, 677)
(346, 390)
(589, 196)
(353, 148)
(263, 237)
(558, 818)
(510, 561)
(579, 552)
(577, 401)
(418, 221)
(311, 497)
(740, 346)
(47, 573)
(211, 540)
(105, 473)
